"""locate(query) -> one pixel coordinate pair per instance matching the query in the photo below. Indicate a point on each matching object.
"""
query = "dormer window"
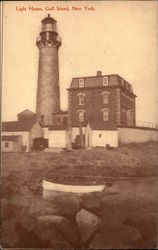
(105, 81)
(81, 83)
(127, 85)
(131, 89)
(81, 98)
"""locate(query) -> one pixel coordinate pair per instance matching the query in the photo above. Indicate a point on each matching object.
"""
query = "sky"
(116, 37)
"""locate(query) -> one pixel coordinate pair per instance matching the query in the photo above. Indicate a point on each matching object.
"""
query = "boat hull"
(72, 188)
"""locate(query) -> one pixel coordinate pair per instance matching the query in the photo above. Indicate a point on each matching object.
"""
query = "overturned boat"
(72, 188)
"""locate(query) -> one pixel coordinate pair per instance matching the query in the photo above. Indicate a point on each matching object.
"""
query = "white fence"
(146, 124)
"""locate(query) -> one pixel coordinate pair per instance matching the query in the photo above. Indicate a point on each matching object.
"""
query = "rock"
(115, 237)
(91, 200)
(51, 236)
(88, 223)
(21, 200)
(143, 218)
(63, 225)
(41, 207)
(9, 236)
(69, 203)
(145, 221)
(115, 208)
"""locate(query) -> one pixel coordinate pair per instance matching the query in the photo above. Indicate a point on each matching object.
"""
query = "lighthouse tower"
(48, 94)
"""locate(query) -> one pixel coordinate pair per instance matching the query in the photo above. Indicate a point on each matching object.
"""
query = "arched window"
(81, 98)
(81, 115)
(105, 114)
(105, 96)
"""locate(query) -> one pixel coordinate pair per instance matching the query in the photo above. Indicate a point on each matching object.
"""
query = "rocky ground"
(123, 216)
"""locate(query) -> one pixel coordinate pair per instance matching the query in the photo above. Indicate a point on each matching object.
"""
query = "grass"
(27, 170)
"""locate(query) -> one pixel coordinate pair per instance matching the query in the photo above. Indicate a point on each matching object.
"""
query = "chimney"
(99, 73)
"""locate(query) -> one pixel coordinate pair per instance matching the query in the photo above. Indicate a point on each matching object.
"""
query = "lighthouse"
(48, 92)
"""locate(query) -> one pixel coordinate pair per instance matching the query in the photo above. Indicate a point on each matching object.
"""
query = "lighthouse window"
(81, 83)
(105, 81)
(42, 120)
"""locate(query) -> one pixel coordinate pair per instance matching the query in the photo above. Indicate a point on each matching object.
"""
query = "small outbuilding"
(11, 143)
(19, 135)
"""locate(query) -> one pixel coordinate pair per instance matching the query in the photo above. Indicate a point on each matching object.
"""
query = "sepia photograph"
(79, 125)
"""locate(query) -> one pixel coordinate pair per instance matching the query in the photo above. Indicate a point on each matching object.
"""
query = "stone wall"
(127, 135)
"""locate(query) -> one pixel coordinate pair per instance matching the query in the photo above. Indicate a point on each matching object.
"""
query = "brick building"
(106, 100)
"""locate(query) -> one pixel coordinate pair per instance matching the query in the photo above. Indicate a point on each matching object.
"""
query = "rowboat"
(72, 188)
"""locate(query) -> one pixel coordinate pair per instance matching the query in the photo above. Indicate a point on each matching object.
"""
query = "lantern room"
(49, 30)
(49, 24)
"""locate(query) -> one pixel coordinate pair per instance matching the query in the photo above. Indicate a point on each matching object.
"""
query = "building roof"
(48, 19)
(95, 125)
(10, 137)
(114, 80)
(61, 112)
(101, 126)
(14, 126)
(58, 127)
(26, 112)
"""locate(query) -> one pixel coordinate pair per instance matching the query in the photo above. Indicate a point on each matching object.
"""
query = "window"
(81, 100)
(81, 83)
(105, 114)
(105, 81)
(130, 118)
(131, 89)
(42, 120)
(58, 119)
(6, 144)
(123, 116)
(65, 120)
(105, 95)
(81, 115)
(122, 81)
(128, 101)
(100, 135)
